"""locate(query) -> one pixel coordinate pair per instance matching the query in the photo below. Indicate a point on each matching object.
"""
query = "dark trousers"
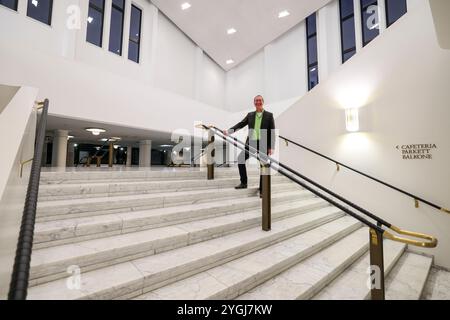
(242, 158)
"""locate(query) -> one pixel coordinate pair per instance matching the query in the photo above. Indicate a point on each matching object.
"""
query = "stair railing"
(417, 199)
(377, 230)
(21, 270)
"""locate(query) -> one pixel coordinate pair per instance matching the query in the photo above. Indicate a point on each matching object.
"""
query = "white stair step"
(79, 229)
(305, 279)
(438, 285)
(153, 271)
(117, 188)
(352, 284)
(408, 278)
(66, 209)
(110, 250)
(78, 175)
(229, 280)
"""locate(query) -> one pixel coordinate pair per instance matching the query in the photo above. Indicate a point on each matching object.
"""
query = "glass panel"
(119, 3)
(370, 25)
(348, 55)
(133, 51)
(100, 4)
(135, 34)
(347, 8)
(311, 25)
(348, 34)
(313, 75)
(95, 27)
(12, 4)
(312, 50)
(40, 10)
(395, 9)
(116, 31)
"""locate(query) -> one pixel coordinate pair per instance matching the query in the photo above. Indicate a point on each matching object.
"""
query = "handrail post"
(266, 198)
(376, 265)
(211, 153)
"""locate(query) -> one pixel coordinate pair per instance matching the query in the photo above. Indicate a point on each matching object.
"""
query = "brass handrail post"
(376, 265)
(266, 198)
(211, 153)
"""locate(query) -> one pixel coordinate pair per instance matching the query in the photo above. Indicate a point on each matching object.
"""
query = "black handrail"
(380, 222)
(19, 280)
(368, 176)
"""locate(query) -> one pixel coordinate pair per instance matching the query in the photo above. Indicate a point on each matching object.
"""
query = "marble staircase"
(171, 234)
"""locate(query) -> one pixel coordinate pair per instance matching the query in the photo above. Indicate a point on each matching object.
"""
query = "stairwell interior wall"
(166, 81)
(400, 83)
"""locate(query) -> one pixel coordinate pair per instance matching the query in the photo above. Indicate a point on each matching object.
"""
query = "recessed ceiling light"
(230, 61)
(283, 14)
(95, 131)
(231, 31)
(185, 6)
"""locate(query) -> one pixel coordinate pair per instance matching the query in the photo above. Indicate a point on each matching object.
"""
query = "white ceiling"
(206, 22)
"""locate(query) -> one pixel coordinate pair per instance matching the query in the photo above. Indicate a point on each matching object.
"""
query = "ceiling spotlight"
(166, 146)
(116, 146)
(70, 137)
(95, 131)
(283, 14)
(229, 61)
(185, 6)
(231, 31)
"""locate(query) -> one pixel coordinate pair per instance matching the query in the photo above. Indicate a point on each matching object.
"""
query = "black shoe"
(241, 186)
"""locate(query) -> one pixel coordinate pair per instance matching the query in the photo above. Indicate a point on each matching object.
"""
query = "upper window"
(116, 30)
(348, 39)
(369, 20)
(40, 10)
(12, 4)
(95, 22)
(135, 34)
(313, 65)
(394, 10)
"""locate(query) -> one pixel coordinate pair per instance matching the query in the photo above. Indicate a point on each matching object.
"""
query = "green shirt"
(257, 129)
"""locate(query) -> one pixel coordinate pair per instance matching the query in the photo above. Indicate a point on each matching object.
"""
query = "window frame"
(16, 6)
(315, 64)
(122, 10)
(102, 11)
(342, 20)
(363, 25)
(130, 39)
(387, 13)
(50, 13)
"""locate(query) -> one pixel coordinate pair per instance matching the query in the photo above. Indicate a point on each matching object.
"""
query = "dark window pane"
(135, 34)
(40, 10)
(369, 19)
(312, 50)
(347, 8)
(95, 23)
(348, 34)
(120, 4)
(12, 4)
(116, 31)
(311, 25)
(348, 55)
(395, 9)
(313, 75)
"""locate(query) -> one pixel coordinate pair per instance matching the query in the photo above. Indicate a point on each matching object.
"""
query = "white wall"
(17, 134)
(400, 83)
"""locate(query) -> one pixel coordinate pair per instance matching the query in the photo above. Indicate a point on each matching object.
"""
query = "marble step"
(116, 188)
(92, 254)
(135, 277)
(352, 284)
(308, 277)
(66, 231)
(75, 208)
(94, 175)
(231, 279)
(408, 278)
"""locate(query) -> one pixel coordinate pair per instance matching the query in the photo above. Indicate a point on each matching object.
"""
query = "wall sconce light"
(352, 120)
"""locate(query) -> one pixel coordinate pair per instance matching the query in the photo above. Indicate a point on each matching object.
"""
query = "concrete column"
(129, 154)
(44, 152)
(358, 25)
(145, 153)
(59, 154)
(71, 154)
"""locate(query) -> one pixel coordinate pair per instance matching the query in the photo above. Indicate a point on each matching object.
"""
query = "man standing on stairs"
(261, 136)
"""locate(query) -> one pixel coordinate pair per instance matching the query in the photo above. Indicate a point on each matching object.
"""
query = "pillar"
(59, 154)
(145, 153)
(71, 154)
(129, 154)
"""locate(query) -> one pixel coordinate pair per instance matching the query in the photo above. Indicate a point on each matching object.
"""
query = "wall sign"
(417, 151)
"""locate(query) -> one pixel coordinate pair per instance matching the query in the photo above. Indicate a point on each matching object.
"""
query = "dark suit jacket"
(267, 123)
